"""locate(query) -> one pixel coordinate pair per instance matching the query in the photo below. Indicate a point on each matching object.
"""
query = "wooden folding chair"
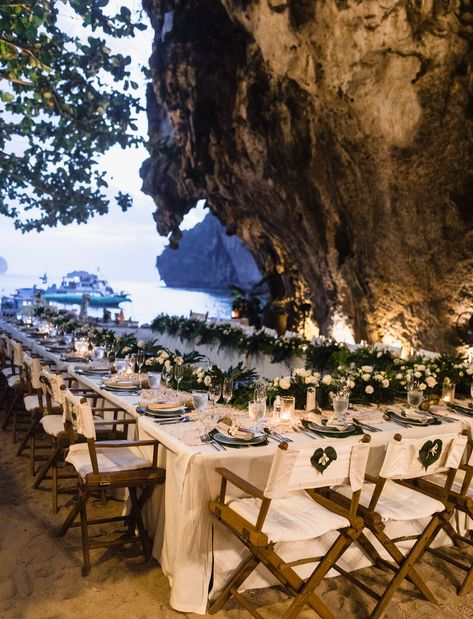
(15, 411)
(108, 464)
(290, 508)
(394, 497)
(53, 425)
(460, 496)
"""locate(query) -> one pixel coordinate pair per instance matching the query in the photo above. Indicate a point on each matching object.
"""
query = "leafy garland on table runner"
(373, 376)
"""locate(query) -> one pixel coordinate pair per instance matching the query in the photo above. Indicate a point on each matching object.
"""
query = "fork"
(207, 439)
(314, 435)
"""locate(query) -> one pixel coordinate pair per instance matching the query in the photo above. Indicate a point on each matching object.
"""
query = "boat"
(77, 284)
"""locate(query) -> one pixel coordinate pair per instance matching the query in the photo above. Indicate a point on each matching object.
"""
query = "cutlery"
(441, 417)
(268, 433)
(365, 425)
(312, 435)
(206, 438)
(280, 437)
(461, 410)
(170, 422)
(396, 420)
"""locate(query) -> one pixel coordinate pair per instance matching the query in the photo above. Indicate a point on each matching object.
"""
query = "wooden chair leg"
(72, 515)
(33, 454)
(136, 519)
(85, 533)
(467, 584)
(29, 432)
(45, 468)
(233, 585)
(406, 564)
(10, 410)
(54, 485)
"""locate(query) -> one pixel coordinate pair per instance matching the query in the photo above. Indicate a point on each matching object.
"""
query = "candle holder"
(448, 391)
(288, 407)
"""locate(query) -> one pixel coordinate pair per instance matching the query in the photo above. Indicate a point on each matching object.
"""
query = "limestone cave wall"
(335, 138)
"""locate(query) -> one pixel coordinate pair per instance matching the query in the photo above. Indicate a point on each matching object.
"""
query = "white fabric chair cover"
(52, 424)
(17, 354)
(293, 470)
(79, 414)
(33, 366)
(296, 517)
(52, 385)
(31, 402)
(14, 380)
(7, 372)
(402, 459)
(109, 460)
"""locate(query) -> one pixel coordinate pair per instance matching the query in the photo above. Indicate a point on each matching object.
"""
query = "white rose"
(367, 368)
(167, 364)
(385, 383)
(378, 377)
(422, 386)
(421, 368)
(207, 381)
(417, 374)
(431, 382)
(276, 382)
(327, 379)
(379, 354)
(469, 371)
(140, 343)
(178, 360)
(285, 382)
(311, 380)
(369, 389)
(398, 376)
(366, 377)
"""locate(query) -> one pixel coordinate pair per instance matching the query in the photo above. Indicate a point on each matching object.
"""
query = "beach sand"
(40, 574)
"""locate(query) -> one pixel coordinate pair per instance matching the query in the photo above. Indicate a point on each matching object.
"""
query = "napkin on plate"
(225, 426)
(117, 382)
(162, 406)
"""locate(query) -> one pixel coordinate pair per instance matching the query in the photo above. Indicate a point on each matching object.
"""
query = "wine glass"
(414, 395)
(178, 374)
(259, 394)
(140, 359)
(166, 375)
(227, 390)
(215, 391)
(340, 403)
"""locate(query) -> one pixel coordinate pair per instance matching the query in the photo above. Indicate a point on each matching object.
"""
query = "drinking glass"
(340, 406)
(99, 353)
(199, 400)
(414, 395)
(257, 412)
(166, 375)
(121, 365)
(154, 380)
(227, 389)
(178, 374)
(215, 391)
(259, 394)
(140, 360)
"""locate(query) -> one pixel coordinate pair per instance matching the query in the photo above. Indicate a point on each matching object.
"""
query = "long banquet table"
(193, 550)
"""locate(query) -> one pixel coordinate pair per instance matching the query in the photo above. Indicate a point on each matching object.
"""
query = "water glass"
(154, 380)
(257, 412)
(414, 394)
(121, 365)
(166, 375)
(340, 403)
(215, 391)
(99, 353)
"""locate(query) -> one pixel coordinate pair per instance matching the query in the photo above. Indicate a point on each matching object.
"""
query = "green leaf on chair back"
(323, 458)
(430, 452)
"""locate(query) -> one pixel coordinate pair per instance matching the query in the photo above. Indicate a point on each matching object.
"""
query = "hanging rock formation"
(208, 258)
(334, 137)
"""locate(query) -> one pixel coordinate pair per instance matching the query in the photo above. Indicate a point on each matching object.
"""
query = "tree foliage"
(66, 100)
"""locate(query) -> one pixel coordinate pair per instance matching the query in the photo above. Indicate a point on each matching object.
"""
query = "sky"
(123, 245)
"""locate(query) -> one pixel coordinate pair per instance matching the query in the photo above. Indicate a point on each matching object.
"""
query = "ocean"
(148, 298)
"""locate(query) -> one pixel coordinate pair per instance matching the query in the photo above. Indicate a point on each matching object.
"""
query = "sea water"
(148, 298)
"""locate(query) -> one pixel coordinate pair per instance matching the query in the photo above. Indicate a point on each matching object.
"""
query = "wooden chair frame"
(262, 549)
(402, 565)
(60, 443)
(144, 480)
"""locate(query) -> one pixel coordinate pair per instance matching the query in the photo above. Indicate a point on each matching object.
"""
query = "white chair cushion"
(109, 460)
(296, 517)
(397, 502)
(7, 372)
(52, 424)
(31, 402)
(14, 380)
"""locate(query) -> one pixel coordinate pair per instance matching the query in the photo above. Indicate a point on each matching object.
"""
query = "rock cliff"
(208, 258)
(335, 138)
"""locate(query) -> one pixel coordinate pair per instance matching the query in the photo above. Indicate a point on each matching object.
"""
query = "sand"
(40, 574)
